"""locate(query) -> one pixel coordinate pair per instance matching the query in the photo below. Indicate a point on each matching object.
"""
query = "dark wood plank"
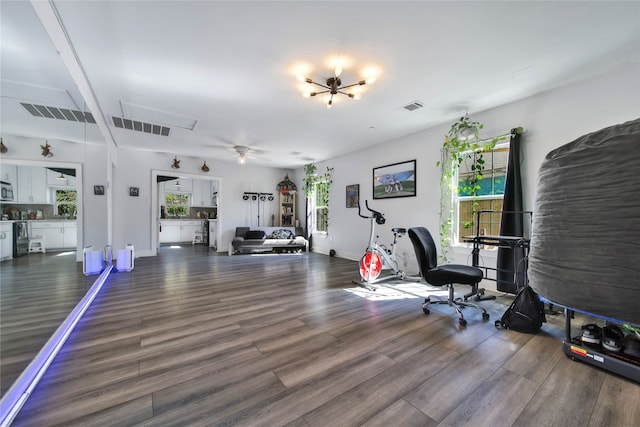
(193, 338)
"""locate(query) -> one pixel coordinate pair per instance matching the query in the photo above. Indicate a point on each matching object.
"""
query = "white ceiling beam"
(48, 15)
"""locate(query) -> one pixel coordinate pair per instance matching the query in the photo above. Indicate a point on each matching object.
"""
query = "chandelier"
(333, 86)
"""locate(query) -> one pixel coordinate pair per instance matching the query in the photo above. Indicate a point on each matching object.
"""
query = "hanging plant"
(311, 178)
(462, 147)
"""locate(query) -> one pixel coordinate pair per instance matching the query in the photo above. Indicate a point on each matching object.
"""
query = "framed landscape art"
(395, 180)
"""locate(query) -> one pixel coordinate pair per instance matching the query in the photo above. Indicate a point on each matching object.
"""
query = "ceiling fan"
(242, 151)
(239, 149)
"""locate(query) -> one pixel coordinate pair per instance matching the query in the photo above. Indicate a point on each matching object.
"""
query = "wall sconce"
(175, 163)
(204, 167)
(46, 150)
(3, 148)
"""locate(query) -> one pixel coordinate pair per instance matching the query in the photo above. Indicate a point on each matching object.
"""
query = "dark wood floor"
(37, 292)
(190, 338)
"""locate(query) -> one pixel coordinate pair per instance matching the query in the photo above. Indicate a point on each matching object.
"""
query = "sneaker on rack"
(612, 338)
(591, 335)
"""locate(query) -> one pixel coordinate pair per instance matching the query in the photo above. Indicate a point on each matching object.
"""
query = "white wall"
(551, 119)
(92, 221)
(134, 217)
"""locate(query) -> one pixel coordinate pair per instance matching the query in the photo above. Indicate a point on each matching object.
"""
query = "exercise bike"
(378, 257)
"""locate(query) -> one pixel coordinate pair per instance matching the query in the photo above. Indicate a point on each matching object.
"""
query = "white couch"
(268, 239)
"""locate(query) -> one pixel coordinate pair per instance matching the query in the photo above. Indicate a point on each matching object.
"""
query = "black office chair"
(444, 275)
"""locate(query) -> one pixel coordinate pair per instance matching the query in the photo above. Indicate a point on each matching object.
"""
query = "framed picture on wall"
(353, 194)
(98, 190)
(134, 191)
(395, 180)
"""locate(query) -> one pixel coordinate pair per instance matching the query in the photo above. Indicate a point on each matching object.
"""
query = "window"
(321, 207)
(66, 203)
(489, 194)
(177, 204)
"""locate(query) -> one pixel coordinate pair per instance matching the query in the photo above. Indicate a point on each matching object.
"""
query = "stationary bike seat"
(399, 230)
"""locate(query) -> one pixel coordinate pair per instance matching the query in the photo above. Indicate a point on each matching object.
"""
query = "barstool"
(36, 244)
(198, 237)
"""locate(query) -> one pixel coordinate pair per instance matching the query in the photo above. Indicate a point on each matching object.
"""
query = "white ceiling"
(228, 69)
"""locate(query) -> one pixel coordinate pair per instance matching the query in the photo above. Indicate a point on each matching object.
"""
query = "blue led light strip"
(20, 391)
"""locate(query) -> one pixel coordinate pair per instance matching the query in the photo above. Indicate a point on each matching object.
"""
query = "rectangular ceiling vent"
(135, 125)
(58, 113)
(414, 106)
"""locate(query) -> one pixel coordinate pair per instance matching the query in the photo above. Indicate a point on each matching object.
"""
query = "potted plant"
(462, 146)
(311, 178)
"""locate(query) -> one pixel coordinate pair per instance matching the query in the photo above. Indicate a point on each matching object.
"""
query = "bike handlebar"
(379, 217)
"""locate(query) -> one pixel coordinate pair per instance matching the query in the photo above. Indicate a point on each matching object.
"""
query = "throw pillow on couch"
(255, 235)
(282, 234)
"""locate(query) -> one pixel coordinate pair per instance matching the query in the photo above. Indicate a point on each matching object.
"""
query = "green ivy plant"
(462, 145)
(311, 178)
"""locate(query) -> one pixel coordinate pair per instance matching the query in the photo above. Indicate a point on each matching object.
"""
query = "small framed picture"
(353, 194)
(98, 190)
(134, 191)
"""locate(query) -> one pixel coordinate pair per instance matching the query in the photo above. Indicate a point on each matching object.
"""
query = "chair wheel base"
(426, 310)
(485, 316)
(462, 322)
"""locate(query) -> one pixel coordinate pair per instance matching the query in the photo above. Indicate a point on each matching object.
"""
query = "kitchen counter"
(186, 219)
(179, 230)
(51, 220)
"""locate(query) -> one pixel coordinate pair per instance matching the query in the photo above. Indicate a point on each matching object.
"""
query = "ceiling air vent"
(135, 125)
(414, 106)
(58, 113)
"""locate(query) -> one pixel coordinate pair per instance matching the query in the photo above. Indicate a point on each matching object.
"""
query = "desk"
(511, 242)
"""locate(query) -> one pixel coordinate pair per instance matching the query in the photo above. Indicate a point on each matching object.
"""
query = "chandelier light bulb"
(334, 85)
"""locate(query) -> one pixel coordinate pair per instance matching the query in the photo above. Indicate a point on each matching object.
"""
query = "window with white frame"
(320, 210)
(177, 204)
(66, 202)
(488, 197)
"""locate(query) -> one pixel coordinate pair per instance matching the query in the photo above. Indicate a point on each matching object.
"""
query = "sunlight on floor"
(396, 291)
(66, 253)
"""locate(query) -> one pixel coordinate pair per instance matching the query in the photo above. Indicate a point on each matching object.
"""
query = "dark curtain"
(510, 263)
(308, 224)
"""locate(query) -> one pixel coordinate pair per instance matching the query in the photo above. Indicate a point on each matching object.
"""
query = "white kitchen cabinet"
(8, 173)
(169, 232)
(188, 228)
(6, 240)
(69, 234)
(56, 234)
(201, 195)
(186, 186)
(31, 185)
(54, 181)
(178, 231)
(51, 231)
